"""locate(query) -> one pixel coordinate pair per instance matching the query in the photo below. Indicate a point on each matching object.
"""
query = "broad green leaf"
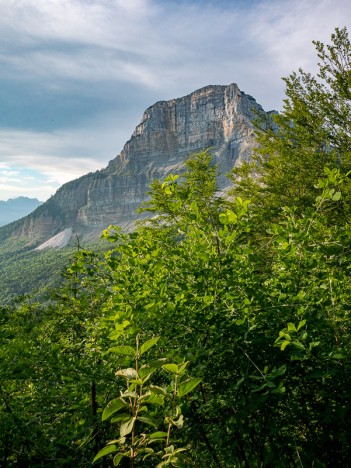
(123, 350)
(117, 459)
(298, 345)
(112, 407)
(154, 399)
(105, 451)
(144, 371)
(169, 450)
(301, 324)
(173, 368)
(284, 344)
(231, 216)
(188, 386)
(127, 427)
(291, 327)
(147, 345)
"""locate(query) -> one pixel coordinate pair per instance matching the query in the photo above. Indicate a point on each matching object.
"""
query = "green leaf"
(127, 427)
(284, 344)
(298, 345)
(124, 350)
(223, 218)
(188, 386)
(239, 322)
(147, 345)
(117, 459)
(337, 356)
(145, 371)
(158, 435)
(154, 399)
(112, 407)
(301, 324)
(291, 327)
(105, 451)
(148, 451)
(120, 417)
(156, 364)
(173, 368)
(231, 216)
(182, 367)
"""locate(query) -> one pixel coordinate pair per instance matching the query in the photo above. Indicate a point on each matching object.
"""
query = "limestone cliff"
(215, 116)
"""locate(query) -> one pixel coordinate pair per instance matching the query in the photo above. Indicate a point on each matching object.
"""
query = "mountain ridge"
(216, 116)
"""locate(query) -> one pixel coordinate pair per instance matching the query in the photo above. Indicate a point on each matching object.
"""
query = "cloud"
(159, 45)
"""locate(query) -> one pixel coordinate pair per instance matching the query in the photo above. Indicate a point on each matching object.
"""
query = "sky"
(77, 75)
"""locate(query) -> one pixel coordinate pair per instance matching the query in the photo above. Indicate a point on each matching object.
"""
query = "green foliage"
(312, 132)
(253, 291)
(140, 421)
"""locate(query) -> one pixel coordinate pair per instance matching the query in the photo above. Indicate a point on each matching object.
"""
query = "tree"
(312, 132)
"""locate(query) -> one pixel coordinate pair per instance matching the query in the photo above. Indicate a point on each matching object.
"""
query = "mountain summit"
(216, 117)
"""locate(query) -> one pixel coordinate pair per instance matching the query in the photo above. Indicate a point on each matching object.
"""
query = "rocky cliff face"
(215, 116)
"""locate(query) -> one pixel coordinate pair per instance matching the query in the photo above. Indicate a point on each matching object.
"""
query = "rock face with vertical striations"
(216, 117)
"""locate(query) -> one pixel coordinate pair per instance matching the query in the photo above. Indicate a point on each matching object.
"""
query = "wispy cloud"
(160, 45)
(48, 160)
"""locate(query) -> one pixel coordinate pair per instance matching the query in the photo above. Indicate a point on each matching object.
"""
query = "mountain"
(216, 117)
(16, 208)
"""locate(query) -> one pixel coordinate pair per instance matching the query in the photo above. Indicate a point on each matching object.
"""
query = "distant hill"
(16, 208)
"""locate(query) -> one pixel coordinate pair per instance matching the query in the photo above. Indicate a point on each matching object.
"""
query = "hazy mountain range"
(16, 208)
